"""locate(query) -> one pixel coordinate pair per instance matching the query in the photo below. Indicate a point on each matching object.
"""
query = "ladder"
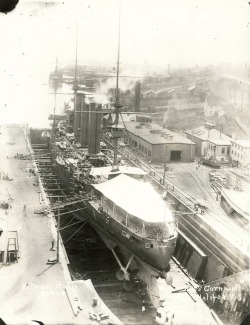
(13, 248)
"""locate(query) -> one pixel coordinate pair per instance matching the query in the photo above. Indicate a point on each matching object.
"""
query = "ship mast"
(55, 85)
(116, 131)
(76, 88)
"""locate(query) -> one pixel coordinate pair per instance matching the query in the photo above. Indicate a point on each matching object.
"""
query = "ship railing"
(139, 231)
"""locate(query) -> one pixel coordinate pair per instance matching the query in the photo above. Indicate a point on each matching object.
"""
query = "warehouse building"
(158, 144)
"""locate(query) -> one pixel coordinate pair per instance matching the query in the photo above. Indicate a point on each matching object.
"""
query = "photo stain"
(7, 5)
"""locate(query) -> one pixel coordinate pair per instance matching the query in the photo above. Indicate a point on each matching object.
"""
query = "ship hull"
(155, 253)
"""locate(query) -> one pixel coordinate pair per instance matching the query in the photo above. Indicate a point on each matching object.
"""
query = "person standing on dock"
(143, 308)
(52, 244)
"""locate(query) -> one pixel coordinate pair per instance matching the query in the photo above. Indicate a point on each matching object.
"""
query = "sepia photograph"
(124, 162)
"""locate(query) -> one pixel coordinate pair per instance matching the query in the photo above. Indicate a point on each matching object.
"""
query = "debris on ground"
(5, 177)
(5, 205)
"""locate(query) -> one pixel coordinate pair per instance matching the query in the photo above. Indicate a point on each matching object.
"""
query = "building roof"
(213, 100)
(220, 142)
(138, 198)
(149, 91)
(191, 88)
(205, 134)
(168, 90)
(242, 143)
(239, 201)
(127, 117)
(172, 90)
(144, 133)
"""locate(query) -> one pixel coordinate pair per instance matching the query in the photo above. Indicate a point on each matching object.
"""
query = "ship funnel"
(84, 123)
(94, 128)
(77, 115)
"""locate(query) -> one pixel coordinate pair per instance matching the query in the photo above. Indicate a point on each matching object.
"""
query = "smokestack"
(84, 124)
(137, 99)
(94, 129)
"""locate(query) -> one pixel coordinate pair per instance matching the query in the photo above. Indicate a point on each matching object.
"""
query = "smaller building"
(215, 105)
(218, 149)
(168, 93)
(149, 94)
(206, 135)
(240, 153)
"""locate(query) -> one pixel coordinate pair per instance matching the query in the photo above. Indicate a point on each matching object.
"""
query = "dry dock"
(32, 289)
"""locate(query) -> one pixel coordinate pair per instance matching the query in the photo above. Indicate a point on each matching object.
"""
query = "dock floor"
(30, 288)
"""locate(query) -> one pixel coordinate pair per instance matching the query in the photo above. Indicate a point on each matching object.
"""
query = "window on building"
(222, 150)
(232, 152)
(149, 153)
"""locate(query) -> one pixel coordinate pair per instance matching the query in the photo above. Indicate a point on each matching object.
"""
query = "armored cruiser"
(131, 217)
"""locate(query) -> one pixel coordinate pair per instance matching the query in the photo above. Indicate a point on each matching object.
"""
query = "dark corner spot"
(7, 5)
(2, 322)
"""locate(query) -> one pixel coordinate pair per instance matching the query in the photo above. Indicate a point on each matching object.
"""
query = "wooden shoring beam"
(43, 174)
(54, 182)
(50, 179)
(54, 189)
(50, 175)
(44, 165)
(56, 196)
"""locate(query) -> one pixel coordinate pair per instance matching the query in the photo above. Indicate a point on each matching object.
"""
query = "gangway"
(60, 205)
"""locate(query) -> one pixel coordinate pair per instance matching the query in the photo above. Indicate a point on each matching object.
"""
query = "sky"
(154, 34)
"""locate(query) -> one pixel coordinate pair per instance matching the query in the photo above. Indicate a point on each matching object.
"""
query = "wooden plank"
(53, 189)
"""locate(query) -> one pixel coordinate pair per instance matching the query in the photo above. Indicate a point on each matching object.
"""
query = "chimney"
(94, 128)
(77, 116)
(137, 99)
(209, 125)
(84, 124)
